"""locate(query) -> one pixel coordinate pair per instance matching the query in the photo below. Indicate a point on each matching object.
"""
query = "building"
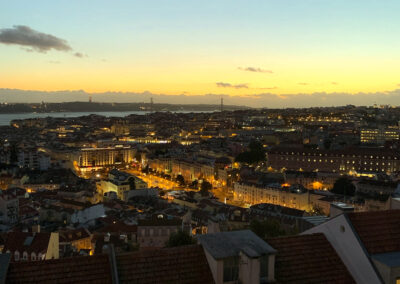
(97, 158)
(335, 161)
(155, 231)
(24, 246)
(9, 207)
(34, 160)
(239, 257)
(378, 135)
(293, 196)
(75, 241)
(367, 242)
(186, 264)
(120, 183)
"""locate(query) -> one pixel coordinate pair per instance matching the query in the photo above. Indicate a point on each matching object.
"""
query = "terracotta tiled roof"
(379, 231)
(82, 269)
(308, 259)
(186, 264)
(16, 241)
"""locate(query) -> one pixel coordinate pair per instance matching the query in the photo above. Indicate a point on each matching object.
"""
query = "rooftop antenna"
(222, 104)
(90, 99)
(151, 104)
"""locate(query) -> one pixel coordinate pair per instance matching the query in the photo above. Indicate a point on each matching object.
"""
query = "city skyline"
(257, 53)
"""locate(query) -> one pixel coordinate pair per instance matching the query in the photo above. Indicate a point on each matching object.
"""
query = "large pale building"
(378, 135)
(120, 182)
(334, 161)
(294, 197)
(97, 158)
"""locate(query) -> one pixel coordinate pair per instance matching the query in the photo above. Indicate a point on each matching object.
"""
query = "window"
(231, 269)
(25, 256)
(16, 256)
(33, 256)
(264, 267)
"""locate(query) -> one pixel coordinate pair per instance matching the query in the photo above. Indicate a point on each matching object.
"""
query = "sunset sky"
(237, 48)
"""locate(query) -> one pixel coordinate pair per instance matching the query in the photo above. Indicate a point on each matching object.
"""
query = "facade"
(294, 197)
(34, 160)
(378, 135)
(239, 257)
(76, 240)
(97, 158)
(336, 161)
(120, 183)
(193, 170)
(155, 232)
(9, 208)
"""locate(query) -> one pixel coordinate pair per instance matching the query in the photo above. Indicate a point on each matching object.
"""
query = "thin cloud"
(229, 85)
(54, 62)
(31, 40)
(303, 84)
(255, 69)
(268, 88)
(80, 55)
(334, 83)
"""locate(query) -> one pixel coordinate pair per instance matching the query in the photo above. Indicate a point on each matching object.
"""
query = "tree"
(266, 228)
(180, 179)
(254, 154)
(180, 238)
(194, 184)
(205, 187)
(145, 169)
(344, 186)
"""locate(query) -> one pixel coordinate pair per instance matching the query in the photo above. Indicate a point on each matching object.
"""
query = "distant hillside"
(96, 107)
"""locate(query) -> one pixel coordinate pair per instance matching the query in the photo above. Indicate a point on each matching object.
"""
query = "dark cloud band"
(32, 40)
(255, 69)
(229, 85)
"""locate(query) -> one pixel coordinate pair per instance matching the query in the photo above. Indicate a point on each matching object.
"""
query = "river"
(6, 118)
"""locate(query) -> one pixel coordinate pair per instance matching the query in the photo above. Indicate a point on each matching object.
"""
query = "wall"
(341, 236)
(53, 250)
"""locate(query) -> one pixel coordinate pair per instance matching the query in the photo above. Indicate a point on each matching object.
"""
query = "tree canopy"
(180, 238)
(205, 187)
(266, 228)
(254, 154)
(344, 186)
(180, 179)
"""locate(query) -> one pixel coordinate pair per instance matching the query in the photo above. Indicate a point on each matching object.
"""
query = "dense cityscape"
(145, 188)
(200, 142)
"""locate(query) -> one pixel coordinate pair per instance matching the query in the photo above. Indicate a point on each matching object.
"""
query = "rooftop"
(82, 269)
(379, 231)
(186, 264)
(308, 259)
(228, 244)
(29, 242)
